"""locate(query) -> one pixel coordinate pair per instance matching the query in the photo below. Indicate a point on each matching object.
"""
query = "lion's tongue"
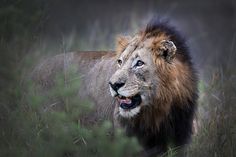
(125, 101)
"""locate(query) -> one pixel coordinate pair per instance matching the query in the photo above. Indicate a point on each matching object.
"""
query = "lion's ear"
(167, 49)
(122, 42)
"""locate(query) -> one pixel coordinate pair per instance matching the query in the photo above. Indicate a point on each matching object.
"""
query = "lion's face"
(136, 81)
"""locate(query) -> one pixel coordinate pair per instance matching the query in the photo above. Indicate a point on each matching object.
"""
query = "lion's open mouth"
(128, 103)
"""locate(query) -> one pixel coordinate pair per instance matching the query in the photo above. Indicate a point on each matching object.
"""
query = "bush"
(32, 130)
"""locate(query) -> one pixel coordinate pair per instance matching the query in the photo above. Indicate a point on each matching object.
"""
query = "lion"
(148, 86)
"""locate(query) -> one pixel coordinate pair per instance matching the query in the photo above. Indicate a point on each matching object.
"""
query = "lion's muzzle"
(128, 106)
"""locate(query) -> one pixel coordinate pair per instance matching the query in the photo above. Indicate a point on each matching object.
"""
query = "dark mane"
(157, 26)
(168, 120)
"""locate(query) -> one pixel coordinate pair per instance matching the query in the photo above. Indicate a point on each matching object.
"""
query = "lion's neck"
(95, 87)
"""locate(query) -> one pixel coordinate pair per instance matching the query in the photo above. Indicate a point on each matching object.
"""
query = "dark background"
(209, 26)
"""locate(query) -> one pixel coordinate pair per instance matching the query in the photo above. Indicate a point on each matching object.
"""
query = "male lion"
(148, 87)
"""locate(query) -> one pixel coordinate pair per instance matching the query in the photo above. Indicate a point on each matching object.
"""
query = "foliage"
(33, 130)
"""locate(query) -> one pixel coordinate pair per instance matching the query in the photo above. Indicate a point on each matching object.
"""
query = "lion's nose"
(117, 85)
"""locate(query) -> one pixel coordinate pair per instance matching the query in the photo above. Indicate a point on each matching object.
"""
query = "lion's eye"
(139, 63)
(119, 61)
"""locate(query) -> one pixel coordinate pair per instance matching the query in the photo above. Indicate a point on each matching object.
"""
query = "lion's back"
(45, 72)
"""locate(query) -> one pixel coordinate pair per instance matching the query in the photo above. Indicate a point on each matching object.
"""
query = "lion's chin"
(129, 106)
(129, 113)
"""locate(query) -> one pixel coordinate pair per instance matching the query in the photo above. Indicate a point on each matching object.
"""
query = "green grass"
(31, 129)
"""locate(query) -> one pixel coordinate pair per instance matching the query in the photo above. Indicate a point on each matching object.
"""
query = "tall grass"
(216, 136)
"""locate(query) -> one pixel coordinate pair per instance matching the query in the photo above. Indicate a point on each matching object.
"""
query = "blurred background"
(31, 30)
